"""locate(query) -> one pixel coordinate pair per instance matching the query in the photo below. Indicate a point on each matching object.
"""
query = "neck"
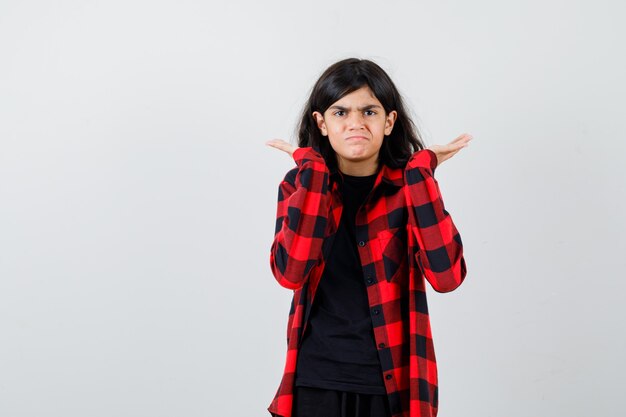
(360, 168)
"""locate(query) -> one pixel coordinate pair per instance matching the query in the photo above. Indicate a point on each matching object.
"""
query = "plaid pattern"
(404, 234)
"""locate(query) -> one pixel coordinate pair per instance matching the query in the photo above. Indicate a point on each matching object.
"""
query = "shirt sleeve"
(440, 254)
(302, 214)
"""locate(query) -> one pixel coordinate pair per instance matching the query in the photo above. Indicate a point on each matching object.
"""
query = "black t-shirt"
(338, 350)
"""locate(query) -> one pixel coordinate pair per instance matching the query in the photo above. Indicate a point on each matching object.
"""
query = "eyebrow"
(366, 107)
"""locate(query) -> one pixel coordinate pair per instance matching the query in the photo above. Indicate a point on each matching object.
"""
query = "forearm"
(302, 215)
(441, 250)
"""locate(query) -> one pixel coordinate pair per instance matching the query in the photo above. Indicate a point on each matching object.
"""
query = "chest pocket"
(392, 244)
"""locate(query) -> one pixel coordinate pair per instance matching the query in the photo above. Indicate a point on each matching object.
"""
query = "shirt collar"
(387, 175)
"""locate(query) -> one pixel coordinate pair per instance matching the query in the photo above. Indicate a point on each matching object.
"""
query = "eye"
(338, 111)
(371, 112)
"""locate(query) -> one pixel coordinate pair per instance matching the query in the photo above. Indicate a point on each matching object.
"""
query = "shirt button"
(369, 280)
(361, 243)
(388, 376)
(381, 345)
(375, 311)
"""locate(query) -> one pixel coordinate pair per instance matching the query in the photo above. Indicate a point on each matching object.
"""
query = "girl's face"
(356, 125)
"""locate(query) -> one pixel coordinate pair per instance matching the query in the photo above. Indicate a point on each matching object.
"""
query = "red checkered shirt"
(404, 234)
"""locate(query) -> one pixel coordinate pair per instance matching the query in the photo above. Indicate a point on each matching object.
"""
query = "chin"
(356, 158)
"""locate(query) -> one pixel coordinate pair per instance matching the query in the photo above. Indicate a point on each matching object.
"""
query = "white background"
(138, 200)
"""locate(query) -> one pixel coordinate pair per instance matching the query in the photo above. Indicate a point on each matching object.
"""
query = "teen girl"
(360, 225)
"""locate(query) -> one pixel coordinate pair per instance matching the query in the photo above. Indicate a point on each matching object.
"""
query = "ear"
(319, 119)
(389, 122)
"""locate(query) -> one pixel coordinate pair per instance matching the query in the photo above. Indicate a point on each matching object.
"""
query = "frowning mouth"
(357, 138)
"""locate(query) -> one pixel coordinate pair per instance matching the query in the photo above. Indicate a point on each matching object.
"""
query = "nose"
(356, 120)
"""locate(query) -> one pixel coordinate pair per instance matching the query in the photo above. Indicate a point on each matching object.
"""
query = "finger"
(457, 143)
(280, 145)
(458, 148)
(452, 147)
(273, 142)
(274, 145)
(465, 137)
(277, 143)
(455, 151)
(462, 143)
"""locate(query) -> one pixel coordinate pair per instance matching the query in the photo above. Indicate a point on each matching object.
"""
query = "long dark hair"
(342, 78)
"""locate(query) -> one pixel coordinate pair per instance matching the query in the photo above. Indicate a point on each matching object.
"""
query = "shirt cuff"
(433, 160)
(424, 158)
(299, 153)
(307, 153)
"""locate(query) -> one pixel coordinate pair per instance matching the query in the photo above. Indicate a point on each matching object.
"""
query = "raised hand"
(445, 152)
(282, 145)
